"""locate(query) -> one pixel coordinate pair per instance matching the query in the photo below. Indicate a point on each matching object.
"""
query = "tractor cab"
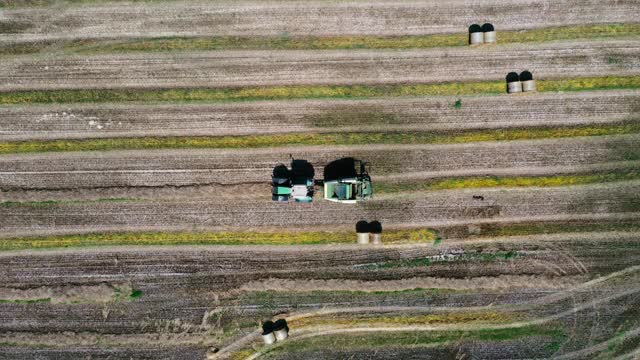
(346, 181)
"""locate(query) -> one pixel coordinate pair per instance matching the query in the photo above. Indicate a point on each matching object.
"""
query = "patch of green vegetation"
(13, 27)
(308, 139)
(207, 238)
(175, 44)
(503, 181)
(374, 340)
(30, 301)
(304, 91)
(522, 229)
(458, 104)
(135, 294)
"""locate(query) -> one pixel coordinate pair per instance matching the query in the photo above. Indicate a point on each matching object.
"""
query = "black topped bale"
(280, 324)
(375, 227)
(526, 76)
(362, 226)
(487, 27)
(340, 169)
(475, 28)
(512, 77)
(267, 327)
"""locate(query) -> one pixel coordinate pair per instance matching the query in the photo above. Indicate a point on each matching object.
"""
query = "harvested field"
(181, 168)
(72, 121)
(285, 18)
(138, 141)
(268, 68)
(427, 209)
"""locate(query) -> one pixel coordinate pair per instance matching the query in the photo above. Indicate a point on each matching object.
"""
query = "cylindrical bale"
(281, 334)
(526, 78)
(529, 85)
(376, 232)
(363, 238)
(476, 38)
(362, 231)
(281, 329)
(376, 239)
(269, 338)
(475, 35)
(489, 33)
(490, 37)
(514, 87)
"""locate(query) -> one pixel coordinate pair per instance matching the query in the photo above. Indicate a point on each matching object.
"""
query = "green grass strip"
(392, 339)
(169, 44)
(523, 229)
(310, 139)
(209, 238)
(31, 301)
(504, 181)
(304, 91)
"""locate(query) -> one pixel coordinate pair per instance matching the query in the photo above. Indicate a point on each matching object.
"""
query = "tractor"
(346, 180)
(296, 182)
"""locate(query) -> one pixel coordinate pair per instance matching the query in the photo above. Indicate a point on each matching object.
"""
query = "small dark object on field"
(512, 77)
(478, 197)
(526, 76)
(267, 327)
(375, 227)
(362, 226)
(487, 27)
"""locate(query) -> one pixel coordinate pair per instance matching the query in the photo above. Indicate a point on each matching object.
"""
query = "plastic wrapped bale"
(476, 36)
(513, 83)
(267, 333)
(362, 232)
(281, 329)
(489, 34)
(528, 84)
(376, 232)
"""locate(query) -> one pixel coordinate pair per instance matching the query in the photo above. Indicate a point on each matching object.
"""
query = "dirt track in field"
(72, 121)
(428, 209)
(219, 168)
(270, 68)
(189, 280)
(292, 18)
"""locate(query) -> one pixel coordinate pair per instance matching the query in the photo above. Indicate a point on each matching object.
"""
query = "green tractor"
(296, 182)
(346, 181)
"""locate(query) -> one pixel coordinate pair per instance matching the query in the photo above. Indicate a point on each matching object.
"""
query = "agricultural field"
(138, 141)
